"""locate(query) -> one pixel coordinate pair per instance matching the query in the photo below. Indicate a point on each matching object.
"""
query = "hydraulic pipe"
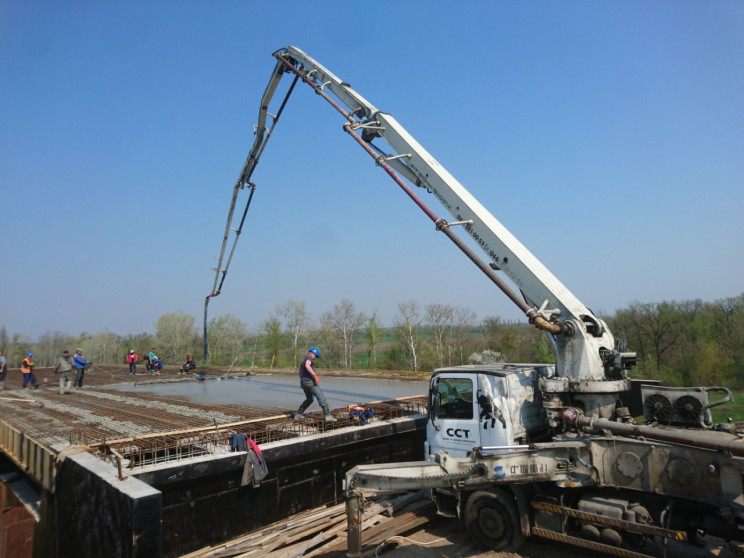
(262, 137)
(206, 342)
(349, 127)
(514, 297)
(701, 439)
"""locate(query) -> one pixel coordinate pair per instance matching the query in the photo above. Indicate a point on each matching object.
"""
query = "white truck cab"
(486, 405)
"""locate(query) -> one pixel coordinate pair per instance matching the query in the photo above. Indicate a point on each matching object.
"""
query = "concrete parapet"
(172, 508)
(98, 514)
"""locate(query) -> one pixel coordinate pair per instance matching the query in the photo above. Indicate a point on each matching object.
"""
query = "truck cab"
(494, 405)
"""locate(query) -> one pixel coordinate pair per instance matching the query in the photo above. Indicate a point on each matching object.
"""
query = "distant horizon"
(479, 320)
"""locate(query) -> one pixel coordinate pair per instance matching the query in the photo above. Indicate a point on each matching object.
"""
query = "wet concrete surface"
(114, 404)
(267, 390)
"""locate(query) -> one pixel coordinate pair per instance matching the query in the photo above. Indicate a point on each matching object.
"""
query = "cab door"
(453, 424)
(495, 425)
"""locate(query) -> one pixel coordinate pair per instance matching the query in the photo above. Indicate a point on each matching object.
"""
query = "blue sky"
(607, 136)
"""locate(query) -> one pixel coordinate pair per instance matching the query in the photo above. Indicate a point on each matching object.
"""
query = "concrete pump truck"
(519, 450)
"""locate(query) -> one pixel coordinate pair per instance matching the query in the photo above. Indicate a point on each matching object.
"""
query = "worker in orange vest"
(27, 367)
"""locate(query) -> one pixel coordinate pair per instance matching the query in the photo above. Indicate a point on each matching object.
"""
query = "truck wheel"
(492, 521)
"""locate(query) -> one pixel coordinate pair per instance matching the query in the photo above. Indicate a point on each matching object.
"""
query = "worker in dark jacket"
(188, 366)
(309, 384)
(80, 363)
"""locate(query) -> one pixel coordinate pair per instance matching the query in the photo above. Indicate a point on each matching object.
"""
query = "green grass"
(733, 410)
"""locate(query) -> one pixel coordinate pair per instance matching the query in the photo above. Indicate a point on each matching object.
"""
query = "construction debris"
(322, 531)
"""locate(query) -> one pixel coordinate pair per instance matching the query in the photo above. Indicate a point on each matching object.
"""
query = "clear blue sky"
(608, 136)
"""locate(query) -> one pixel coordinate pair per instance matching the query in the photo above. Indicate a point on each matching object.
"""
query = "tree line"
(686, 343)
(680, 343)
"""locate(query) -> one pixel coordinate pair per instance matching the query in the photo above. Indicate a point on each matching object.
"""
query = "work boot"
(299, 416)
(329, 418)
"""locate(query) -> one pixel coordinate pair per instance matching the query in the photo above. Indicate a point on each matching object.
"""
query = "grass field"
(733, 410)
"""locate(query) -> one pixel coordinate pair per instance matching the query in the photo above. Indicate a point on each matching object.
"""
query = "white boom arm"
(586, 357)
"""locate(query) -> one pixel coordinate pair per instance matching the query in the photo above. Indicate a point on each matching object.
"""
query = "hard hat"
(131, 351)
(30, 354)
(315, 351)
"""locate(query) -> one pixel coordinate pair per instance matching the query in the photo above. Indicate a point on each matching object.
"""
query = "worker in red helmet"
(309, 384)
(132, 360)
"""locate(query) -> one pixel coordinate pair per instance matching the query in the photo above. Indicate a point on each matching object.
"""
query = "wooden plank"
(389, 527)
(322, 531)
(264, 537)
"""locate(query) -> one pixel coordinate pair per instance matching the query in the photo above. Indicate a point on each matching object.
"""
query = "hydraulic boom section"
(590, 369)
(588, 362)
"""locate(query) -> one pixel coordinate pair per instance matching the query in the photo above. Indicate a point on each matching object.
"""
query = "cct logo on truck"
(458, 434)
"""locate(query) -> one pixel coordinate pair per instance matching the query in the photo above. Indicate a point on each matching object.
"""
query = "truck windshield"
(454, 398)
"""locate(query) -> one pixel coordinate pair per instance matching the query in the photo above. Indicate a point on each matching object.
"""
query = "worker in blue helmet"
(309, 384)
(27, 367)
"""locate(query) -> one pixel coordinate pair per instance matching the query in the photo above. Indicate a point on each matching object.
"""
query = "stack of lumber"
(322, 531)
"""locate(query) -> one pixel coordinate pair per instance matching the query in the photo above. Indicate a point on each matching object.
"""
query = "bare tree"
(138, 342)
(727, 318)
(4, 340)
(16, 350)
(329, 343)
(296, 320)
(252, 340)
(101, 347)
(440, 319)
(272, 328)
(463, 319)
(372, 333)
(655, 329)
(227, 337)
(407, 325)
(345, 322)
(49, 347)
(176, 335)
(501, 337)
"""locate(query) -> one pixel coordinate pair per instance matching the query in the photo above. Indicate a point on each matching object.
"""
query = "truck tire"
(492, 520)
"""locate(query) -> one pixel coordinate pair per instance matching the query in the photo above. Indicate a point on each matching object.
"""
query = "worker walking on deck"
(27, 367)
(64, 369)
(3, 370)
(309, 384)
